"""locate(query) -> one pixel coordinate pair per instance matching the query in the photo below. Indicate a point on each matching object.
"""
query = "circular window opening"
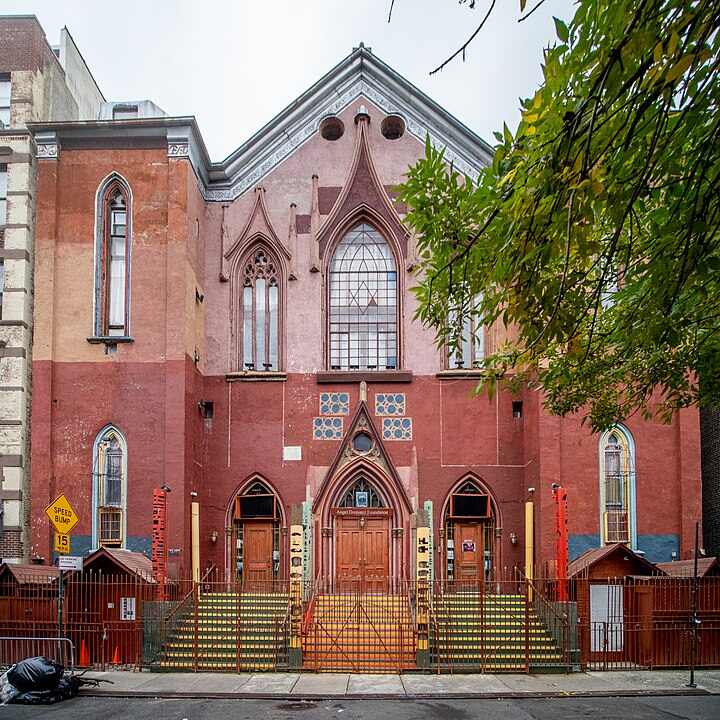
(392, 127)
(332, 128)
(362, 442)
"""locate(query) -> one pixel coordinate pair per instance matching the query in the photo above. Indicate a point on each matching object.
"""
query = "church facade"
(242, 333)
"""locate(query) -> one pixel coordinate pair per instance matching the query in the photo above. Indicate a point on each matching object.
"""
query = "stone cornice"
(360, 75)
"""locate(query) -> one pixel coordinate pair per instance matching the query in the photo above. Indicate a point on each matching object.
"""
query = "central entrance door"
(470, 552)
(362, 549)
(258, 570)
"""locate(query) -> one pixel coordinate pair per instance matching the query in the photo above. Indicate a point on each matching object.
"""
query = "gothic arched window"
(260, 311)
(109, 488)
(467, 349)
(361, 494)
(617, 486)
(363, 303)
(113, 259)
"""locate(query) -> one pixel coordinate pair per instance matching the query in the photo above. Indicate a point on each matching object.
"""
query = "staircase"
(368, 633)
(235, 632)
(479, 632)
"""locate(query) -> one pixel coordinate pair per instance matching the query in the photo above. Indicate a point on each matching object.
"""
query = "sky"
(235, 64)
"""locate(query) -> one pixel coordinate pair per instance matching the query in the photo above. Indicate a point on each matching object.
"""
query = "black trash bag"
(34, 674)
(66, 688)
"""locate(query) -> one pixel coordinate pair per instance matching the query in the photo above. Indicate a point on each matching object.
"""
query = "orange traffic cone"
(116, 656)
(84, 655)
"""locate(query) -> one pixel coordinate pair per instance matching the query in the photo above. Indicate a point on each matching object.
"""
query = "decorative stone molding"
(179, 149)
(48, 151)
(274, 153)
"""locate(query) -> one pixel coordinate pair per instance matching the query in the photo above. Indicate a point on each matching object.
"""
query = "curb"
(510, 695)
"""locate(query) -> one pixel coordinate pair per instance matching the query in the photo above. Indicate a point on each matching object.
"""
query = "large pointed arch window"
(110, 488)
(113, 260)
(260, 311)
(363, 303)
(617, 486)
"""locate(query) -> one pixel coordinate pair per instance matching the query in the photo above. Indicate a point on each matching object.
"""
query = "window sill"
(109, 339)
(256, 376)
(356, 376)
(459, 373)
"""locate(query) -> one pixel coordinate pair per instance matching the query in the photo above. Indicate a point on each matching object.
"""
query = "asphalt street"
(645, 708)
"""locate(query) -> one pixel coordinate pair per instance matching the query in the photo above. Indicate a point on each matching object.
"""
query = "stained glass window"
(260, 311)
(361, 494)
(363, 303)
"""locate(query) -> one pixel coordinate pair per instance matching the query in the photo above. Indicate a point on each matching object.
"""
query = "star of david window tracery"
(363, 303)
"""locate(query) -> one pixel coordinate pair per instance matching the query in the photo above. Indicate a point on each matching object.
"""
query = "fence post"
(196, 591)
(527, 625)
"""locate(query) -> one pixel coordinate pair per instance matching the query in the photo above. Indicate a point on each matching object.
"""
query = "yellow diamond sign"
(61, 515)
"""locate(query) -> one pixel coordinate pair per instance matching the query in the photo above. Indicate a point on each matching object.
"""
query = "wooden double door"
(362, 550)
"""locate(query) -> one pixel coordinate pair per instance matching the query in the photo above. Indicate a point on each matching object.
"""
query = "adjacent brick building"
(243, 332)
(37, 83)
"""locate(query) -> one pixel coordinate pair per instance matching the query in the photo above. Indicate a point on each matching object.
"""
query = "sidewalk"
(350, 686)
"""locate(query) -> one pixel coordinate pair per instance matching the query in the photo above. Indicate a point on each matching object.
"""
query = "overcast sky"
(234, 64)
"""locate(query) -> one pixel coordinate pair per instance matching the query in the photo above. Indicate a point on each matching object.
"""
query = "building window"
(125, 112)
(467, 332)
(110, 488)
(3, 193)
(617, 486)
(361, 494)
(113, 266)
(5, 101)
(363, 303)
(260, 311)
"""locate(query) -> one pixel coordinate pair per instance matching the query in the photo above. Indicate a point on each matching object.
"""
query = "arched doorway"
(362, 537)
(468, 551)
(255, 547)
(362, 514)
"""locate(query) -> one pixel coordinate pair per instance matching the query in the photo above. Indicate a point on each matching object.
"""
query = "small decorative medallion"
(327, 428)
(334, 403)
(389, 403)
(178, 149)
(397, 428)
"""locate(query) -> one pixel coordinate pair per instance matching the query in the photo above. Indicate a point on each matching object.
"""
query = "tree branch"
(467, 42)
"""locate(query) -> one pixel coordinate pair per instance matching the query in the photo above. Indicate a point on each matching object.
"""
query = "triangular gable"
(258, 226)
(362, 195)
(593, 556)
(127, 561)
(376, 459)
(360, 75)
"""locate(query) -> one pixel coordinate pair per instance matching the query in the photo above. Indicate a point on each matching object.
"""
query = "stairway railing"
(555, 620)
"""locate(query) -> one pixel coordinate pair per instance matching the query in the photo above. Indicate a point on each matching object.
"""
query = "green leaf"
(561, 29)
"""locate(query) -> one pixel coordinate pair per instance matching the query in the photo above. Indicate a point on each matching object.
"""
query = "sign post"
(63, 518)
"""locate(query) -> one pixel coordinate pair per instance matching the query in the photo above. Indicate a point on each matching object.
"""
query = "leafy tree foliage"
(593, 236)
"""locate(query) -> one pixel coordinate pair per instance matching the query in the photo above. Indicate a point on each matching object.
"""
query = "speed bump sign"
(61, 514)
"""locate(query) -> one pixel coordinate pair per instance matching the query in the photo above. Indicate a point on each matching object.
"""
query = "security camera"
(554, 486)
(193, 494)
(531, 490)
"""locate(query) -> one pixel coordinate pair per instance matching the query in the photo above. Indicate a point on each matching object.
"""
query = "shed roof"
(128, 561)
(686, 568)
(595, 555)
(31, 574)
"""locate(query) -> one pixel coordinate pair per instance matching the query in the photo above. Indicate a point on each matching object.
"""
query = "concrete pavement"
(410, 686)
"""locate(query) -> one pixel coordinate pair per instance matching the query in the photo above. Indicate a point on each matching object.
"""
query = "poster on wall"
(468, 546)
(361, 499)
(127, 608)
